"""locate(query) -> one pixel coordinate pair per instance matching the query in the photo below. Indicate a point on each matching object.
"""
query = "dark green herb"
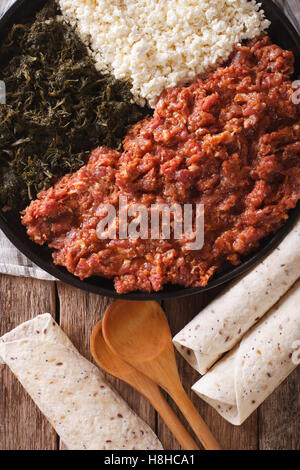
(58, 107)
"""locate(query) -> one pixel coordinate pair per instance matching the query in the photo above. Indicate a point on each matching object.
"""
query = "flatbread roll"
(222, 324)
(296, 353)
(70, 391)
(245, 377)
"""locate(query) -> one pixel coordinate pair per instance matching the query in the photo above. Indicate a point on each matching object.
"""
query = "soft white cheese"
(157, 44)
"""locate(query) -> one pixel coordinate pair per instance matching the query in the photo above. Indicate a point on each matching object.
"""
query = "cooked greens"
(59, 107)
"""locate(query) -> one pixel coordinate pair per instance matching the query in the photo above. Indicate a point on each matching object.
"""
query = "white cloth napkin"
(11, 260)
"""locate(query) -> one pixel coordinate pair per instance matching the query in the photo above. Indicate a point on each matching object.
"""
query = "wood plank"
(22, 425)
(5, 5)
(79, 313)
(179, 313)
(279, 417)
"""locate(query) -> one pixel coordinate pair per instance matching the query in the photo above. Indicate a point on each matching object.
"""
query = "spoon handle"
(171, 420)
(200, 428)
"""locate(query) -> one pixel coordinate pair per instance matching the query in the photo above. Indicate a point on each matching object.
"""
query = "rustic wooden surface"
(274, 426)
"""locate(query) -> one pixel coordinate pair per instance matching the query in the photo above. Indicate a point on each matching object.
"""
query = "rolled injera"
(70, 391)
(222, 324)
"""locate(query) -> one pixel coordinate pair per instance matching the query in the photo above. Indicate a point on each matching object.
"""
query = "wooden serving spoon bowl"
(139, 333)
(111, 363)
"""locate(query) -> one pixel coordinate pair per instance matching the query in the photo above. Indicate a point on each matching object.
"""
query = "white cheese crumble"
(158, 44)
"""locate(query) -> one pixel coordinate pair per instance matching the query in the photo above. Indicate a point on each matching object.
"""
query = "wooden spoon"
(139, 333)
(112, 364)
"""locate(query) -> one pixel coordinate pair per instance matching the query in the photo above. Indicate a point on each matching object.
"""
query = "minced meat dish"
(230, 142)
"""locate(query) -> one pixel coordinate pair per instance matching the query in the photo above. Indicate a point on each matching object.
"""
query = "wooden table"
(275, 425)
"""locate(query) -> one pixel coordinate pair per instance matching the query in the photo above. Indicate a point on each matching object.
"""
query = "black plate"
(283, 33)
